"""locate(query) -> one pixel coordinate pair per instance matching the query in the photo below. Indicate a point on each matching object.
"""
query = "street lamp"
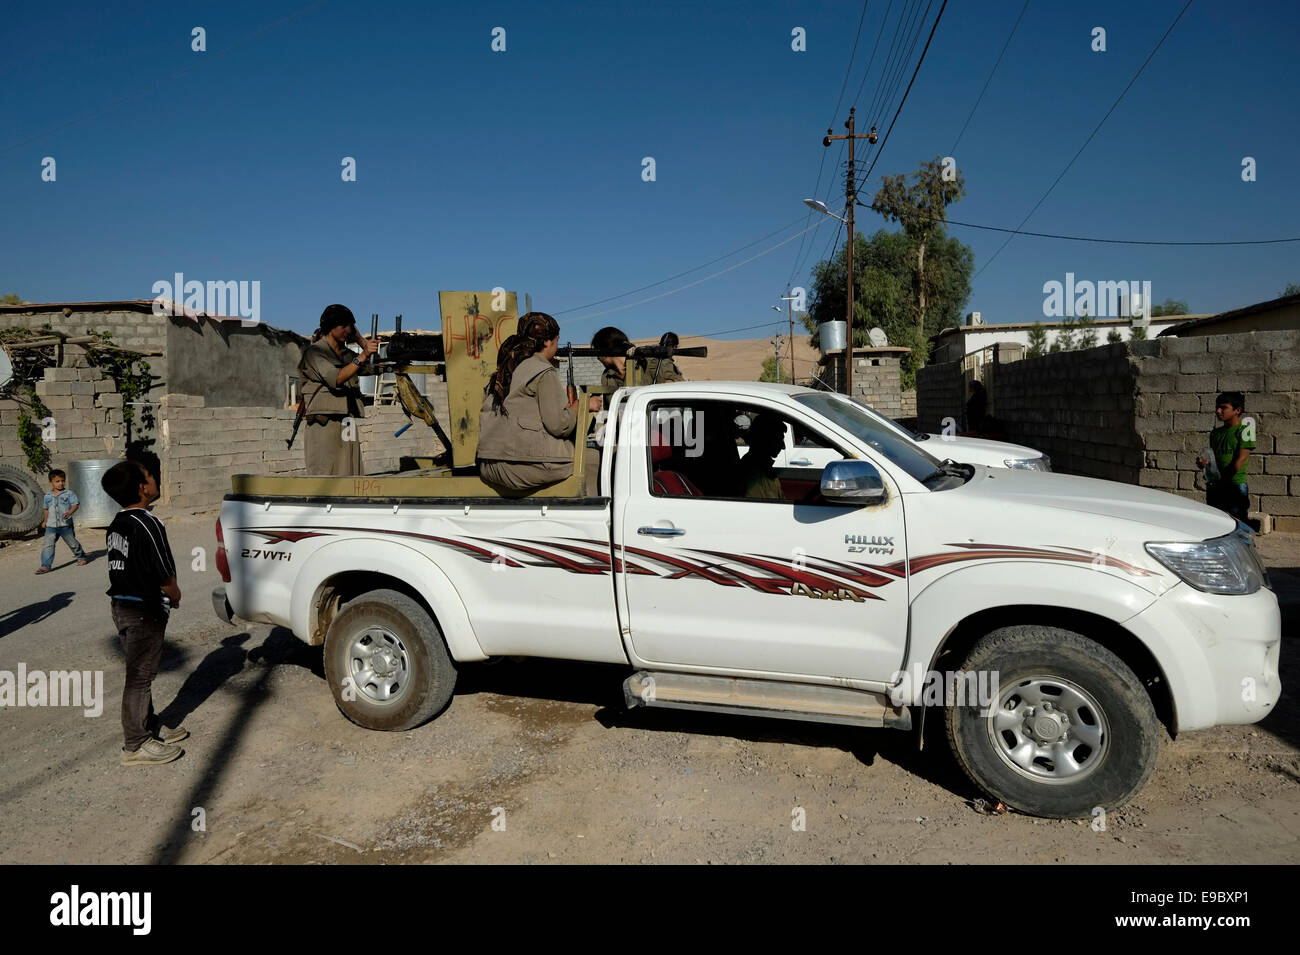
(821, 207)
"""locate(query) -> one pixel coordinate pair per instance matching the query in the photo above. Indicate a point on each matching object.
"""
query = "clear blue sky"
(523, 168)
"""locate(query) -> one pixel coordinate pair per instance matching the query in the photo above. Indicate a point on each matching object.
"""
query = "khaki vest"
(519, 434)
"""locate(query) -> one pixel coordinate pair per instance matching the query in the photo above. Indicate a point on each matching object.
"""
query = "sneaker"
(171, 734)
(152, 751)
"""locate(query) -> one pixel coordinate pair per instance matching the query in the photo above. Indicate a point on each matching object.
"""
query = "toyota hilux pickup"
(1054, 623)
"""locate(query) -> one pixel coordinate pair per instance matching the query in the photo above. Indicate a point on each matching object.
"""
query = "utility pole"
(789, 314)
(776, 350)
(851, 196)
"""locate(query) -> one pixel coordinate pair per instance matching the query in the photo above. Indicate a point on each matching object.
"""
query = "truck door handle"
(802, 462)
(661, 531)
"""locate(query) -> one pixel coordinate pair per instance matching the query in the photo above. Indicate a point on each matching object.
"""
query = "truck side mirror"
(853, 482)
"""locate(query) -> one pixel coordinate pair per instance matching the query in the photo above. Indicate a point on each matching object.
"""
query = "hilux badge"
(860, 543)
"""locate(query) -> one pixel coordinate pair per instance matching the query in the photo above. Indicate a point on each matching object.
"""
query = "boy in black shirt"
(142, 585)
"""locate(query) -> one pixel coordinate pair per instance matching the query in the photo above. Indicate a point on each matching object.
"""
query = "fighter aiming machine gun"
(403, 355)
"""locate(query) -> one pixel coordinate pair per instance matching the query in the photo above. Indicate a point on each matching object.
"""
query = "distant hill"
(742, 359)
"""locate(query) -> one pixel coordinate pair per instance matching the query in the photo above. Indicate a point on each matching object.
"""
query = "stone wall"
(909, 403)
(1140, 412)
(877, 378)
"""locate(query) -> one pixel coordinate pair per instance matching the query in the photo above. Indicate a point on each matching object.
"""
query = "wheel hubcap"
(1049, 730)
(378, 664)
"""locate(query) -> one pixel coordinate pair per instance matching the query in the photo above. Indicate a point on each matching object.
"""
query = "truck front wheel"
(1066, 726)
(387, 663)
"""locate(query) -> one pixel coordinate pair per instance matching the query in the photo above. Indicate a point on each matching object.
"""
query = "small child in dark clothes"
(142, 585)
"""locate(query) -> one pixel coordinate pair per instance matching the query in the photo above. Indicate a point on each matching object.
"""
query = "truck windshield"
(872, 431)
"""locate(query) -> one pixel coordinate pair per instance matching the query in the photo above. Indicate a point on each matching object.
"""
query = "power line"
(903, 101)
(821, 164)
(1094, 132)
(682, 288)
(1077, 238)
(578, 308)
(989, 79)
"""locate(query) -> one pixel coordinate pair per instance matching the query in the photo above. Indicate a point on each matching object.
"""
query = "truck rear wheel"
(1069, 729)
(387, 663)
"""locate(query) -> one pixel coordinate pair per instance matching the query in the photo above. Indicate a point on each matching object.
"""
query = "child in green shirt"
(1231, 445)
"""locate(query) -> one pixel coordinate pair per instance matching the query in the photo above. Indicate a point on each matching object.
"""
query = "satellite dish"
(877, 338)
(6, 371)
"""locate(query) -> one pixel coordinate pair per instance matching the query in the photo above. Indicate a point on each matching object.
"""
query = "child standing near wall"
(60, 504)
(1230, 447)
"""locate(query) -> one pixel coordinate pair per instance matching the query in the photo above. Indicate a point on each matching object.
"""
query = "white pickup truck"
(1054, 621)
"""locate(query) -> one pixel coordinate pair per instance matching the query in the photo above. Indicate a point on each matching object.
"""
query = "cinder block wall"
(1141, 412)
(203, 447)
(87, 413)
(131, 329)
(939, 395)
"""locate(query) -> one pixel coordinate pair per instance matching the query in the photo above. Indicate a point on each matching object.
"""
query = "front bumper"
(1219, 654)
(221, 605)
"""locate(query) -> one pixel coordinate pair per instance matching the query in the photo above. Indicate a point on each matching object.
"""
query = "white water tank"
(97, 508)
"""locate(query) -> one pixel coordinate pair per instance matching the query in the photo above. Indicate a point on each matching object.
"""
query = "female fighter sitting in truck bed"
(527, 423)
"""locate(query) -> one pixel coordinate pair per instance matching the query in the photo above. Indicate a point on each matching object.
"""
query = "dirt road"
(537, 761)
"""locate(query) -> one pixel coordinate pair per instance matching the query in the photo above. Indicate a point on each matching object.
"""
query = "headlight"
(1224, 565)
(1029, 464)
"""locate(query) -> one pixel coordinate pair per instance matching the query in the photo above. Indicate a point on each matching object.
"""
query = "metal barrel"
(97, 508)
(832, 336)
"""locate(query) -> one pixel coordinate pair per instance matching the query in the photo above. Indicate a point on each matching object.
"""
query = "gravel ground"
(537, 761)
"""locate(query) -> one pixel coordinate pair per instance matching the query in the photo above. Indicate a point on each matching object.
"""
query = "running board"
(790, 701)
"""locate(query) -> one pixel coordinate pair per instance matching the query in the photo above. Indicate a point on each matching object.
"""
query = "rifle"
(297, 422)
(572, 389)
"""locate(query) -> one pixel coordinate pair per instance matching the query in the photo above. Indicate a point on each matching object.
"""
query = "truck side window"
(728, 450)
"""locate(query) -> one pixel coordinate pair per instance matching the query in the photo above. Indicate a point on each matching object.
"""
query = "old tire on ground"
(21, 502)
(387, 663)
(1071, 727)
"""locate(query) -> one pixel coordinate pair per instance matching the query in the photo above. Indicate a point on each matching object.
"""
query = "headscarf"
(534, 331)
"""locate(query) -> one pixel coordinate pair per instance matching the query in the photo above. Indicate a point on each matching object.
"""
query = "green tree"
(1037, 341)
(1138, 333)
(1113, 337)
(1292, 288)
(920, 208)
(10, 299)
(1169, 307)
(769, 370)
(1065, 340)
(883, 292)
(1087, 332)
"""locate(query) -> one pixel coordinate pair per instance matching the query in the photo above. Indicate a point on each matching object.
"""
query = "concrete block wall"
(939, 395)
(1076, 407)
(202, 448)
(87, 413)
(140, 330)
(909, 403)
(1178, 381)
(1141, 412)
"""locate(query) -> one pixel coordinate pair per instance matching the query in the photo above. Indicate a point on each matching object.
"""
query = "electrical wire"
(1096, 129)
(1079, 238)
(682, 288)
(989, 79)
